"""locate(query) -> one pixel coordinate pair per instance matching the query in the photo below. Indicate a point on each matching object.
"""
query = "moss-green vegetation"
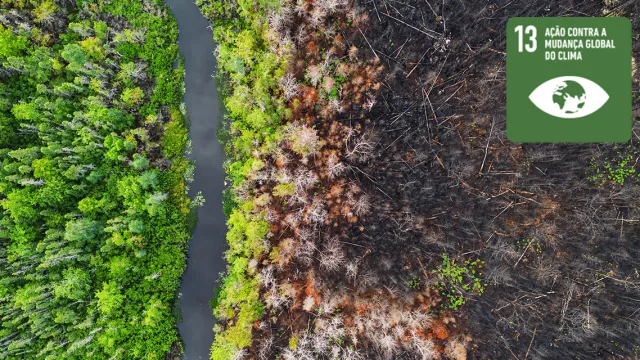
(616, 168)
(92, 179)
(458, 282)
(415, 284)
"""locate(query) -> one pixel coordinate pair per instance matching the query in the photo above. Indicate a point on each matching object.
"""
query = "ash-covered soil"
(560, 242)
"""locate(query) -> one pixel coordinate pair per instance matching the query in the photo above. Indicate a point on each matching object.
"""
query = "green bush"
(457, 282)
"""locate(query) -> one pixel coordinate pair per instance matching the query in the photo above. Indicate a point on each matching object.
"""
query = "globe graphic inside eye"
(569, 96)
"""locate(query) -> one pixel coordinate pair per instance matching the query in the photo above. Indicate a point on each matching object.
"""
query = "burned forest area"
(384, 214)
(555, 225)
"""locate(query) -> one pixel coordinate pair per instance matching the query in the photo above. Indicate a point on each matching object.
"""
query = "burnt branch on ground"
(560, 248)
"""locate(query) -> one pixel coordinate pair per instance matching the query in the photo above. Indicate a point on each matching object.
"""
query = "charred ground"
(556, 224)
(381, 212)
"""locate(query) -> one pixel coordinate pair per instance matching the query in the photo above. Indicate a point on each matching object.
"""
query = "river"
(207, 245)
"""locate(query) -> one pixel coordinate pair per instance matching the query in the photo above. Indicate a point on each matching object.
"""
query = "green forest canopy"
(95, 216)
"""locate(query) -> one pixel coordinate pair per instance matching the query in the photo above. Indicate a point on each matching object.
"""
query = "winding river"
(207, 245)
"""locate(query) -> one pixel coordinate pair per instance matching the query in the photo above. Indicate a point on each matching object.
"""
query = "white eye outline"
(542, 97)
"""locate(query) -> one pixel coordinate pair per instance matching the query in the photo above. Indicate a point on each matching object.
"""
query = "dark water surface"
(207, 244)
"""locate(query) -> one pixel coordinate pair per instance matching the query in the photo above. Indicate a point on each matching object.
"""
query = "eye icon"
(569, 97)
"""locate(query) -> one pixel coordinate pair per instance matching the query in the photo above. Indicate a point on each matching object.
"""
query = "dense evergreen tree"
(93, 211)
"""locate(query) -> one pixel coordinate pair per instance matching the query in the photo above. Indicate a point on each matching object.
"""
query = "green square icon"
(569, 79)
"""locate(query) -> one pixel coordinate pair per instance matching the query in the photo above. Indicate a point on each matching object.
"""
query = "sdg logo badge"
(569, 80)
